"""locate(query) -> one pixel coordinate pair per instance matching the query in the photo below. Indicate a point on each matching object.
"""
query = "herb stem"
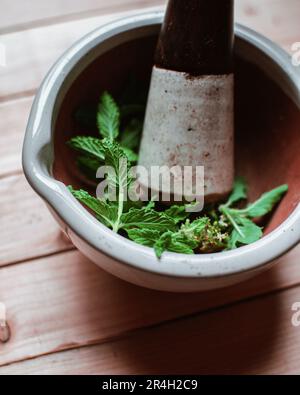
(240, 211)
(116, 226)
(226, 212)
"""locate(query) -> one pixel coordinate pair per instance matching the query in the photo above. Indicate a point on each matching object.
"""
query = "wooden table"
(68, 316)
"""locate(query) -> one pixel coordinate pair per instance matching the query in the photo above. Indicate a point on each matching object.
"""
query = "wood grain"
(268, 15)
(275, 19)
(255, 337)
(28, 59)
(25, 15)
(13, 119)
(27, 229)
(26, 49)
(86, 321)
(64, 302)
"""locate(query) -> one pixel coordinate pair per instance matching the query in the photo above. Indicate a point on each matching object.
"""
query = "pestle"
(190, 116)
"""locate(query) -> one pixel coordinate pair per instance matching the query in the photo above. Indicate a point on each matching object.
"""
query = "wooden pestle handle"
(197, 37)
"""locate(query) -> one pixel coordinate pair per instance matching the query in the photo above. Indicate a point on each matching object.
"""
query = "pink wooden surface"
(66, 315)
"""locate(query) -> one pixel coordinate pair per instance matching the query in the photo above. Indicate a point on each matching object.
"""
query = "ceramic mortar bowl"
(267, 151)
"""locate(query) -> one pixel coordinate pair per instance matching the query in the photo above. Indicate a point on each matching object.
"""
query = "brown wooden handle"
(197, 37)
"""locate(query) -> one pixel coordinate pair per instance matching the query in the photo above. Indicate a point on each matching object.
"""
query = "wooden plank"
(27, 228)
(269, 14)
(39, 321)
(31, 53)
(277, 19)
(256, 337)
(26, 49)
(13, 120)
(33, 13)
(64, 302)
